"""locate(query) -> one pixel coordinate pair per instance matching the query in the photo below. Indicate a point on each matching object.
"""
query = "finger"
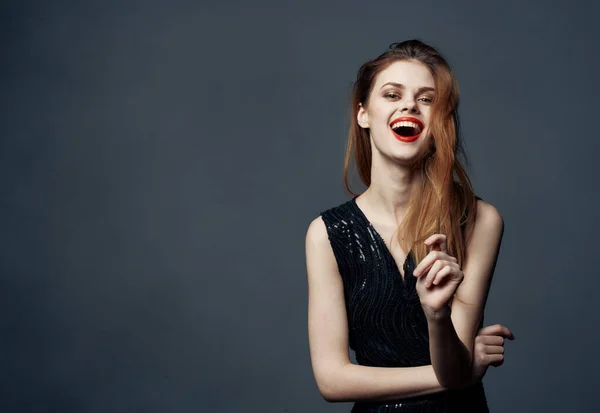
(445, 273)
(490, 340)
(494, 358)
(441, 274)
(494, 349)
(433, 271)
(428, 261)
(437, 242)
(496, 329)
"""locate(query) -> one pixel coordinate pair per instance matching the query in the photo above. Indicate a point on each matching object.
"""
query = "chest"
(388, 238)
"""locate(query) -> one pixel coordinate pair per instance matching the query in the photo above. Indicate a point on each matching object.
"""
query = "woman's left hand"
(438, 277)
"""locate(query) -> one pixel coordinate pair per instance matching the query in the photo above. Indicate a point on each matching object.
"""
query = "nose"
(409, 105)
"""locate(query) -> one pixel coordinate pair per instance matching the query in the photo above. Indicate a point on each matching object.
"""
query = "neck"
(390, 190)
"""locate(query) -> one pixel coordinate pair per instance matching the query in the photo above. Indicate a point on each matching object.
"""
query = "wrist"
(437, 315)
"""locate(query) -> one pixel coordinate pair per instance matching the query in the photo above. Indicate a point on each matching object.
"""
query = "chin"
(408, 155)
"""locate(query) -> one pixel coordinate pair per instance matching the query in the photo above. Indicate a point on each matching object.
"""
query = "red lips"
(409, 119)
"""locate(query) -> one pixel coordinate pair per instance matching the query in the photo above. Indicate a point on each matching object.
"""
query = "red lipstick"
(408, 119)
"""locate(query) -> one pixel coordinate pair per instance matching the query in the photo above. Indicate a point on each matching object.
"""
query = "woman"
(414, 318)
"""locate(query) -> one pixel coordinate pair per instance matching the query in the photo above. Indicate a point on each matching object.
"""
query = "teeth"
(408, 124)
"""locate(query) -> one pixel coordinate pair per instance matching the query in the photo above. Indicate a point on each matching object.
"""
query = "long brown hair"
(441, 204)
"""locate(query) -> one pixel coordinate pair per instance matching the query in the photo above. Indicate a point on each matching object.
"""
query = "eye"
(392, 95)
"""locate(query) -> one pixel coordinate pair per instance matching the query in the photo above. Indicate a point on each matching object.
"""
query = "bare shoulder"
(488, 217)
(317, 232)
(487, 231)
(319, 253)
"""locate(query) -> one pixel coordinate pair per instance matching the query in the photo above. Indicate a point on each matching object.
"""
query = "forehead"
(411, 74)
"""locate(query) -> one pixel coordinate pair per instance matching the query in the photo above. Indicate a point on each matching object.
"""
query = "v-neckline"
(381, 240)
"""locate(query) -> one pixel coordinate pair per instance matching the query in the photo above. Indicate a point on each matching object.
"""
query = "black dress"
(386, 323)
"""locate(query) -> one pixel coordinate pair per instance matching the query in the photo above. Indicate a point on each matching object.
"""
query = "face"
(398, 110)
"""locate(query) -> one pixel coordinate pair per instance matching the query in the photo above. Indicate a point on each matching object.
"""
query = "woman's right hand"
(489, 349)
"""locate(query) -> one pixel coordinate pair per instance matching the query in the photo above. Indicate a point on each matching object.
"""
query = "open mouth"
(407, 130)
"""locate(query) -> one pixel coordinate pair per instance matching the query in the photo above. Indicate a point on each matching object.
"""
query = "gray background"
(160, 165)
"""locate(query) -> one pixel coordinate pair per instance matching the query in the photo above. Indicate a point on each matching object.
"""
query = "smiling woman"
(401, 272)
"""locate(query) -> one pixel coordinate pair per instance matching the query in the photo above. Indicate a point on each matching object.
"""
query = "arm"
(452, 333)
(337, 378)
(450, 358)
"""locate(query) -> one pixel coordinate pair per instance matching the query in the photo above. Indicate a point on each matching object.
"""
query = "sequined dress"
(386, 323)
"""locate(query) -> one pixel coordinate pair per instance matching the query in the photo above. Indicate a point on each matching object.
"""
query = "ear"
(362, 117)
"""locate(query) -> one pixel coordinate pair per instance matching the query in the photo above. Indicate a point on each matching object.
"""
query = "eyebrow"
(401, 86)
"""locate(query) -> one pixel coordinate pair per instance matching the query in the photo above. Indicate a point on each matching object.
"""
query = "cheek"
(381, 113)
(426, 114)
